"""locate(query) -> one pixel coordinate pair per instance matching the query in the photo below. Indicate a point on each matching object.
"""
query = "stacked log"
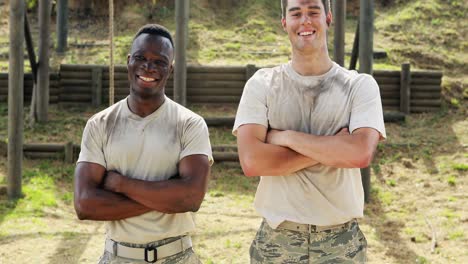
(28, 86)
(425, 91)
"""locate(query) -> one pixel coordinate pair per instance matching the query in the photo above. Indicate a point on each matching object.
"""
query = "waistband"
(292, 226)
(150, 254)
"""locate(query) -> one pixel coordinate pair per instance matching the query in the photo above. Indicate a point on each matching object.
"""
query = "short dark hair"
(155, 29)
(284, 4)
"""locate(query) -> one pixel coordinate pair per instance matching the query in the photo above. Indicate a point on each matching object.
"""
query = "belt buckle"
(151, 249)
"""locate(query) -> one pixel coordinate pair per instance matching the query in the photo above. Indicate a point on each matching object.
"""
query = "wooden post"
(96, 89)
(340, 18)
(355, 51)
(366, 36)
(366, 59)
(42, 102)
(69, 152)
(15, 99)
(180, 71)
(33, 63)
(62, 25)
(405, 88)
(250, 70)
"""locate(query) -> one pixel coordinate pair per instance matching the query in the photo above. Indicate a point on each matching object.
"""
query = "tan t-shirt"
(280, 98)
(148, 148)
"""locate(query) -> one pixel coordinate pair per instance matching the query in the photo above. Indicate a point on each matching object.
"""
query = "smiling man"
(306, 127)
(144, 163)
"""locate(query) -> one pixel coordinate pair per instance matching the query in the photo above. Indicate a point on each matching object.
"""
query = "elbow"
(249, 166)
(364, 160)
(80, 210)
(83, 208)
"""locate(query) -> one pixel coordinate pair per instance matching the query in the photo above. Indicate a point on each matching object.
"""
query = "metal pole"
(339, 41)
(366, 52)
(62, 25)
(43, 62)
(15, 99)
(180, 71)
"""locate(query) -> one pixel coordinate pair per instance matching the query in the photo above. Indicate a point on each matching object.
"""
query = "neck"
(144, 106)
(311, 63)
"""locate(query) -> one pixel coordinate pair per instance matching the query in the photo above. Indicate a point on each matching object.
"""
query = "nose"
(306, 20)
(149, 66)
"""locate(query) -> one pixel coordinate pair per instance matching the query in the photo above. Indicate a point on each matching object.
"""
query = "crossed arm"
(275, 152)
(108, 195)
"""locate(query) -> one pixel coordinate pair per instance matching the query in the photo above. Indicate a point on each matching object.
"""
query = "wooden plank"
(73, 82)
(76, 90)
(214, 92)
(75, 97)
(389, 87)
(225, 156)
(214, 99)
(388, 80)
(426, 102)
(88, 67)
(43, 147)
(425, 88)
(217, 76)
(424, 109)
(425, 81)
(424, 95)
(386, 73)
(216, 69)
(216, 84)
(43, 155)
(390, 101)
(427, 74)
(76, 75)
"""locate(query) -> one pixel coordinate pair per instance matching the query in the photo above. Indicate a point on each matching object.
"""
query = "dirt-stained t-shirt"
(280, 98)
(146, 148)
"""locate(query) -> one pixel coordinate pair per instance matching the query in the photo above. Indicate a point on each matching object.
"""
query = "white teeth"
(306, 33)
(146, 79)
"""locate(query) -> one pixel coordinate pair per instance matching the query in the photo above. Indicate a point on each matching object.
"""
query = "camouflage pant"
(343, 245)
(186, 257)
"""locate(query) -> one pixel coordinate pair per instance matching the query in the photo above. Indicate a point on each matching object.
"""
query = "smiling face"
(149, 65)
(306, 23)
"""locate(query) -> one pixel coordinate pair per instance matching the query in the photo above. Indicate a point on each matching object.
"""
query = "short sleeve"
(196, 139)
(92, 145)
(253, 104)
(366, 110)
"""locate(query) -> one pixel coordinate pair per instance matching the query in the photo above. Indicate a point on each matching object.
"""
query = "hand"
(343, 132)
(112, 181)
(276, 137)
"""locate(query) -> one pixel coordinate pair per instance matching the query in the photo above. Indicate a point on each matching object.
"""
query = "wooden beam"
(366, 60)
(42, 102)
(15, 99)
(340, 30)
(62, 25)
(180, 71)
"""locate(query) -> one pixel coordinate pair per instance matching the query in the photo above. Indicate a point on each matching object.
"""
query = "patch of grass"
(391, 182)
(460, 166)
(221, 135)
(456, 235)
(452, 180)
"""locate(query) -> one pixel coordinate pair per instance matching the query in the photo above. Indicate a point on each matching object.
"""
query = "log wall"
(77, 84)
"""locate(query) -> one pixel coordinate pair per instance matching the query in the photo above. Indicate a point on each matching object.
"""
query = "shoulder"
(110, 113)
(353, 79)
(183, 114)
(266, 75)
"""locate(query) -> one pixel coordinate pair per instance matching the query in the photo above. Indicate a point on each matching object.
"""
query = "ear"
(329, 18)
(283, 23)
(128, 59)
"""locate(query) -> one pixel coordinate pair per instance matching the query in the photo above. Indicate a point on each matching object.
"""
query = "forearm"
(169, 196)
(342, 151)
(103, 205)
(272, 160)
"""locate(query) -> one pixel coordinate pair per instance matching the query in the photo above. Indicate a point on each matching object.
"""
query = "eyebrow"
(292, 9)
